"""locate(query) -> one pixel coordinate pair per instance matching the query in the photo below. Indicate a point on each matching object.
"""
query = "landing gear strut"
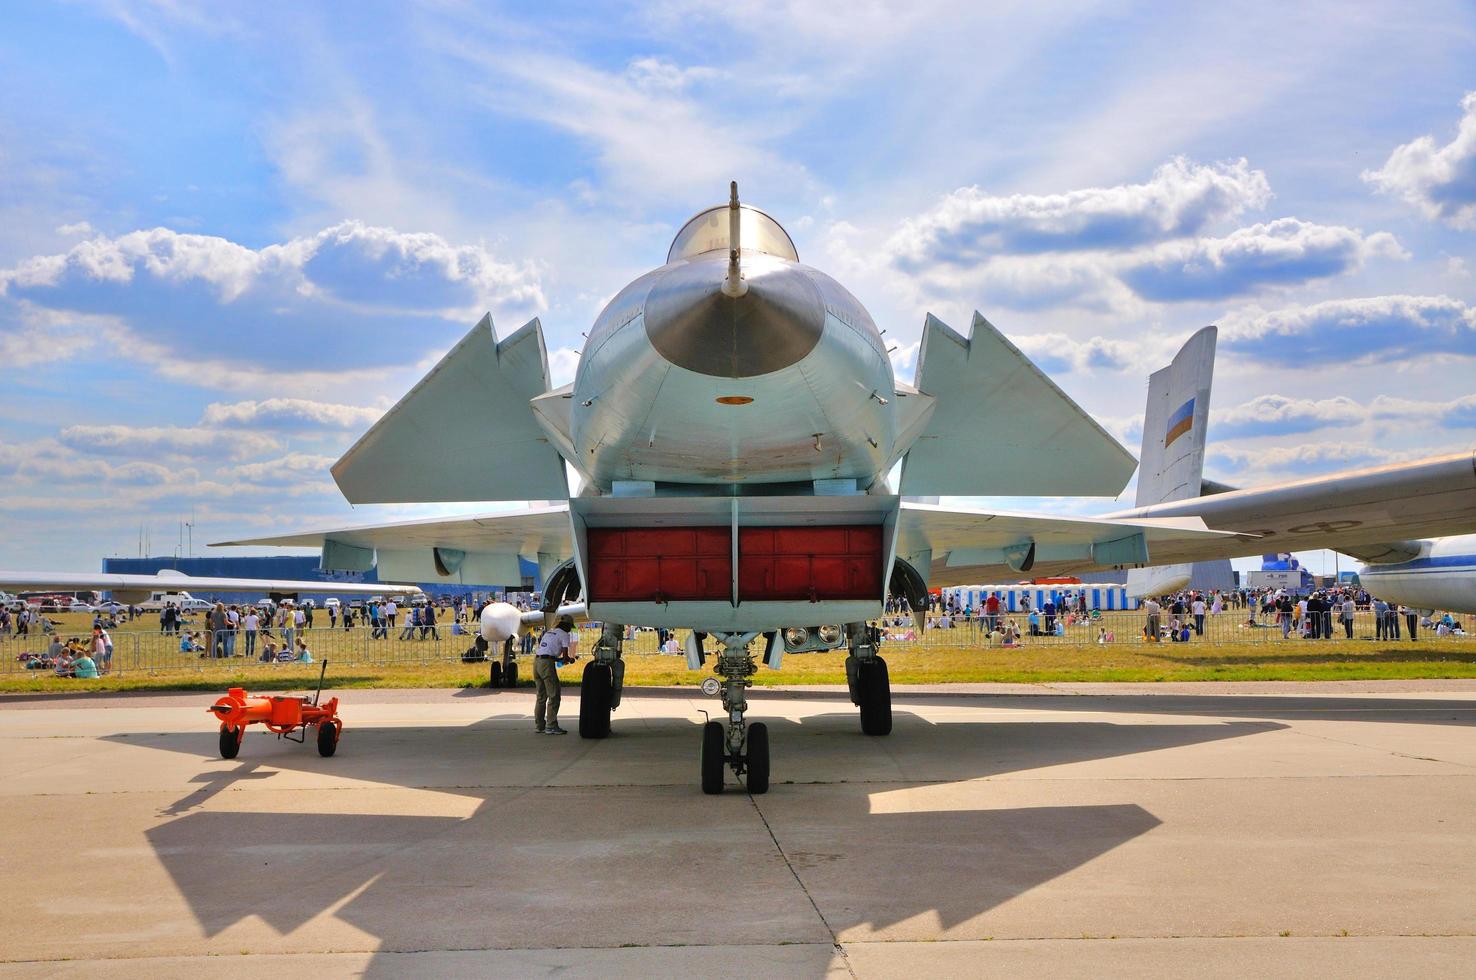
(504, 673)
(743, 747)
(603, 681)
(866, 674)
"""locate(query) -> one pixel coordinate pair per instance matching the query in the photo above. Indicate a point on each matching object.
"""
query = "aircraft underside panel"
(734, 563)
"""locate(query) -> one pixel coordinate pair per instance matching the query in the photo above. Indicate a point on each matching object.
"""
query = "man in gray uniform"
(553, 652)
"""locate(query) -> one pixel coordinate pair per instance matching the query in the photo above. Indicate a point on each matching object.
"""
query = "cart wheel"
(510, 676)
(327, 738)
(230, 742)
(494, 675)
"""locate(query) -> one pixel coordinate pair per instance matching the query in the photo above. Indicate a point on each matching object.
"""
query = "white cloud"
(1056, 353)
(169, 441)
(1284, 252)
(562, 363)
(904, 358)
(30, 335)
(1439, 181)
(293, 469)
(1371, 329)
(1180, 199)
(363, 296)
(649, 135)
(1306, 459)
(289, 413)
(1458, 413)
(662, 75)
(1282, 415)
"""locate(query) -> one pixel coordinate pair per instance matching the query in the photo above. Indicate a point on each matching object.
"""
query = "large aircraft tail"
(1171, 466)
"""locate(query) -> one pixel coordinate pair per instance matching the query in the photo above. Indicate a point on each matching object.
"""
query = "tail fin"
(1172, 462)
(1171, 466)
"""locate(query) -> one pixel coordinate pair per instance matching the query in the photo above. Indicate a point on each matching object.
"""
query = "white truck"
(180, 600)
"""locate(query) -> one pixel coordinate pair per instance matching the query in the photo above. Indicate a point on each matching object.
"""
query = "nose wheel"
(743, 747)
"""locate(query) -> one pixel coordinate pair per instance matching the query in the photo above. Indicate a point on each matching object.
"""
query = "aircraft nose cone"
(694, 325)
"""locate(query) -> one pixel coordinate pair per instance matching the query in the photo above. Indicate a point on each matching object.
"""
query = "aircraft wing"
(465, 432)
(474, 549)
(1000, 427)
(172, 581)
(964, 546)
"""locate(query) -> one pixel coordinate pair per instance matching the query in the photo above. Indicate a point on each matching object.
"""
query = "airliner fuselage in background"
(733, 427)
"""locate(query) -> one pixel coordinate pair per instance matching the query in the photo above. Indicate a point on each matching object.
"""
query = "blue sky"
(231, 235)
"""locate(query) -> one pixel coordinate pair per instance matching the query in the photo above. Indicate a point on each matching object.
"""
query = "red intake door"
(669, 564)
(813, 563)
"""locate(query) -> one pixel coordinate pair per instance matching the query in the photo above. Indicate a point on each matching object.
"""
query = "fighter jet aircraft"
(733, 427)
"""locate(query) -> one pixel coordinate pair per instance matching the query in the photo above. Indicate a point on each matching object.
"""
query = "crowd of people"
(75, 657)
(1176, 618)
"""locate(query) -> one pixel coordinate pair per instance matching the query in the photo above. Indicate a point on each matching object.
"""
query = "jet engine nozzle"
(695, 324)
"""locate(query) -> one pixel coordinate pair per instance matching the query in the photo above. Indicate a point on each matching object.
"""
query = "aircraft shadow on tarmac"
(487, 880)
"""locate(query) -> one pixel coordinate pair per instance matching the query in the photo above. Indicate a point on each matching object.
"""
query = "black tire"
(230, 742)
(494, 675)
(327, 739)
(876, 697)
(510, 675)
(595, 692)
(758, 758)
(713, 758)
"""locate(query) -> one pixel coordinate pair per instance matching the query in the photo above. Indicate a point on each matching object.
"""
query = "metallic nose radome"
(775, 323)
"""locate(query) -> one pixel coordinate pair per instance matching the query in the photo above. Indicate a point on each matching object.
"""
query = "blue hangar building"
(303, 568)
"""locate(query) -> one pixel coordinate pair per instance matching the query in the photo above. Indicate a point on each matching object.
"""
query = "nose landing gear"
(743, 747)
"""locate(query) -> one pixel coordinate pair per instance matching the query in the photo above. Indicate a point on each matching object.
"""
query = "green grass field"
(411, 664)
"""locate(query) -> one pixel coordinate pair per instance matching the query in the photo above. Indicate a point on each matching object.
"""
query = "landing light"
(796, 636)
(733, 400)
(829, 634)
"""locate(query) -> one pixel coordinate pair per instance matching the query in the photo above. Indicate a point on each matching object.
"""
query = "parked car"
(331, 602)
(81, 607)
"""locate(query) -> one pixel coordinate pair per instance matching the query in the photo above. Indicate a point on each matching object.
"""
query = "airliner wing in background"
(172, 581)
(1379, 514)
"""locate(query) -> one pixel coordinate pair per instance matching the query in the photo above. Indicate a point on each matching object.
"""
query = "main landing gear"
(866, 674)
(743, 747)
(604, 679)
(504, 673)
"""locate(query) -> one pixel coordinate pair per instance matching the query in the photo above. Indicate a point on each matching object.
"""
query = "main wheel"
(713, 758)
(510, 675)
(595, 692)
(758, 758)
(876, 697)
(494, 674)
(327, 738)
(230, 742)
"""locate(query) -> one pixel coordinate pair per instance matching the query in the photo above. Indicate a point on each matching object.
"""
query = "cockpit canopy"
(708, 232)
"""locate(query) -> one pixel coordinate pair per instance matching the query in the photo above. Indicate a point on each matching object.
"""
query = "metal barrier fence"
(200, 650)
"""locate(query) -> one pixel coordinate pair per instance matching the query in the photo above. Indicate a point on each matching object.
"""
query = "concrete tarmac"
(1270, 830)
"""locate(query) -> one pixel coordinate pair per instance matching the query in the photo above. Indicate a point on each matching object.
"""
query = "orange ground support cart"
(288, 716)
